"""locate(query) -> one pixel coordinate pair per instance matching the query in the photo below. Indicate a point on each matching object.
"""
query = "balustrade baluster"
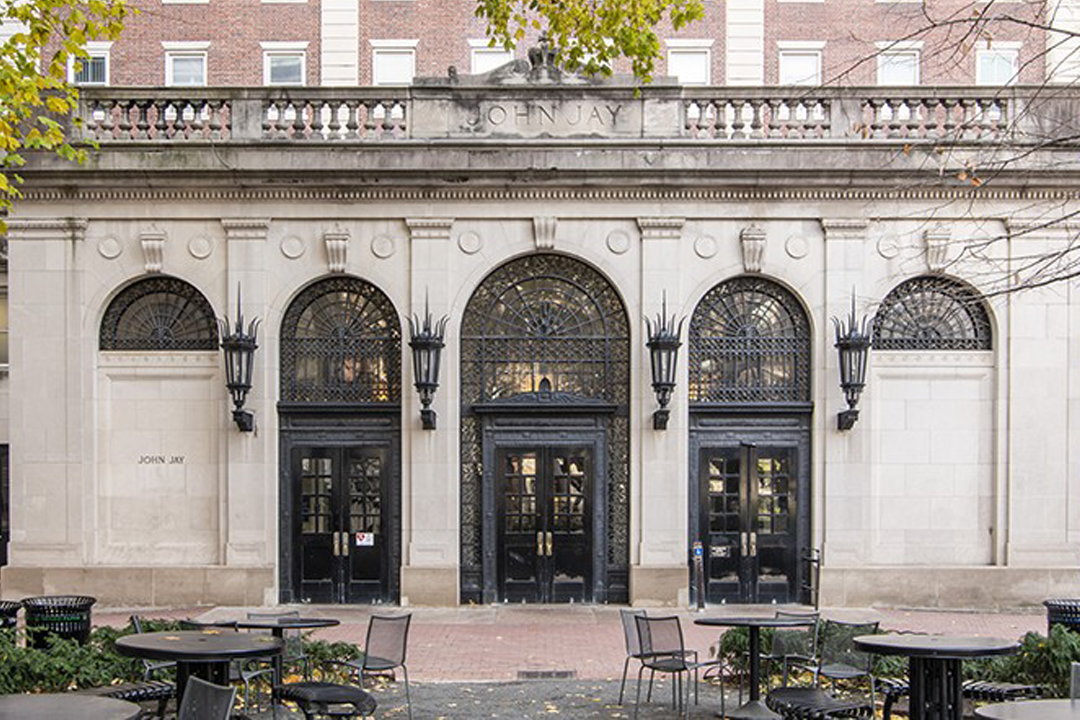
(333, 125)
(298, 108)
(737, 122)
(774, 127)
(756, 123)
(214, 122)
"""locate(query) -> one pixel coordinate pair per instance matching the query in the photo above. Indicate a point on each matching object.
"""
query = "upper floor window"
(159, 313)
(483, 59)
(92, 69)
(932, 313)
(185, 63)
(898, 64)
(998, 64)
(799, 63)
(690, 61)
(393, 62)
(284, 63)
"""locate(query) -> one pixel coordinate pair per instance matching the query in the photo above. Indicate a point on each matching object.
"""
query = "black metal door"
(748, 522)
(341, 521)
(544, 524)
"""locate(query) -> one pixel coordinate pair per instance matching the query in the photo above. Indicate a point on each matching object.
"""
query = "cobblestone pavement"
(496, 643)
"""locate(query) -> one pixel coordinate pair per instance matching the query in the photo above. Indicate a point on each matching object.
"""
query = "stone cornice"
(47, 228)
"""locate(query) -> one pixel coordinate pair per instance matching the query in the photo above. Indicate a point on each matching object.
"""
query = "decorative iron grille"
(341, 343)
(932, 313)
(156, 314)
(545, 317)
(749, 344)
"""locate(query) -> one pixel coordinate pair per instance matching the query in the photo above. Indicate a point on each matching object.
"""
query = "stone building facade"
(546, 220)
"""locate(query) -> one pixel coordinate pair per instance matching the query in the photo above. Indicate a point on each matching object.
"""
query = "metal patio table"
(934, 667)
(1031, 710)
(65, 706)
(201, 653)
(277, 627)
(754, 709)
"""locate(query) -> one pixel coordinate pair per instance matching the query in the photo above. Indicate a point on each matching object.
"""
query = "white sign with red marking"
(365, 539)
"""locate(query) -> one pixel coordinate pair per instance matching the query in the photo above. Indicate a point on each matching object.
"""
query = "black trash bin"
(1062, 612)
(67, 616)
(9, 613)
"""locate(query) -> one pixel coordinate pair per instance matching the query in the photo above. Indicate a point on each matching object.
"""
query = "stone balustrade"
(708, 114)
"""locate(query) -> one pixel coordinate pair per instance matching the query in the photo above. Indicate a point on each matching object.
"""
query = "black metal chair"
(796, 646)
(979, 690)
(294, 641)
(206, 701)
(839, 660)
(66, 616)
(812, 703)
(384, 650)
(150, 668)
(328, 699)
(633, 645)
(663, 651)
(243, 672)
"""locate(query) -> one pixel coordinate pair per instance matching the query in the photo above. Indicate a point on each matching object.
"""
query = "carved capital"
(544, 232)
(246, 228)
(337, 248)
(661, 228)
(429, 228)
(152, 241)
(844, 228)
(937, 247)
(752, 240)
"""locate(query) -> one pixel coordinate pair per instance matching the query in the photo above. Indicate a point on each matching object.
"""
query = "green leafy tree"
(591, 34)
(35, 96)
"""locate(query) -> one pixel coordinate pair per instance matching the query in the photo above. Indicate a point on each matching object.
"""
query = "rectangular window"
(898, 67)
(690, 61)
(93, 69)
(483, 59)
(799, 63)
(284, 63)
(997, 65)
(393, 62)
(185, 63)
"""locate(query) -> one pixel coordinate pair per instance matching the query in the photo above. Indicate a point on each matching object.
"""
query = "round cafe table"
(934, 667)
(754, 709)
(201, 653)
(65, 706)
(1031, 710)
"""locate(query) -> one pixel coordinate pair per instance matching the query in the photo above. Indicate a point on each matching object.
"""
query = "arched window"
(545, 317)
(159, 313)
(749, 344)
(341, 343)
(932, 313)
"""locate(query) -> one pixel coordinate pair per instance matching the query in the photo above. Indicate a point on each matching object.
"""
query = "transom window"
(341, 343)
(159, 314)
(749, 344)
(932, 313)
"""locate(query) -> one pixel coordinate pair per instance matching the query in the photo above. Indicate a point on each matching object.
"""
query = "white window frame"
(479, 48)
(689, 46)
(175, 50)
(93, 50)
(284, 49)
(997, 48)
(185, 2)
(892, 49)
(801, 48)
(379, 47)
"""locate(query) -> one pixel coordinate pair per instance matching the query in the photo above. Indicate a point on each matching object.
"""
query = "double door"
(544, 525)
(341, 529)
(748, 521)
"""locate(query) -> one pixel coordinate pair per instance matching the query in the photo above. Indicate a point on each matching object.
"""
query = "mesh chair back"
(294, 639)
(387, 638)
(837, 647)
(630, 631)
(659, 635)
(196, 625)
(797, 642)
(206, 701)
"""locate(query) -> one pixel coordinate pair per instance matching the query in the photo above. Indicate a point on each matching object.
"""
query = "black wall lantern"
(239, 348)
(664, 342)
(853, 345)
(427, 343)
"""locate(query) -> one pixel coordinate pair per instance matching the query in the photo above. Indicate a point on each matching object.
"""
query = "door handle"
(345, 543)
(337, 544)
(745, 548)
(753, 544)
(549, 543)
(540, 543)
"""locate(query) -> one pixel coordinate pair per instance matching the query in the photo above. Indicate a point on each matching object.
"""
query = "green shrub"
(1043, 661)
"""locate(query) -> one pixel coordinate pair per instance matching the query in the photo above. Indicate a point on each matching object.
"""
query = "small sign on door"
(364, 539)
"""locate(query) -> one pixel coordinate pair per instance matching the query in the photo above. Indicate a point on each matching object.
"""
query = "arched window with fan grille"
(932, 313)
(159, 314)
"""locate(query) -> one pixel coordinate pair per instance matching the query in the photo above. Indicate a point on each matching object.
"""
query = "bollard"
(699, 574)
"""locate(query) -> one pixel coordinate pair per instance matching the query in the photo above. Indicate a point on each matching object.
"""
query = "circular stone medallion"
(705, 247)
(200, 247)
(618, 242)
(797, 247)
(888, 246)
(292, 247)
(470, 242)
(382, 246)
(110, 248)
